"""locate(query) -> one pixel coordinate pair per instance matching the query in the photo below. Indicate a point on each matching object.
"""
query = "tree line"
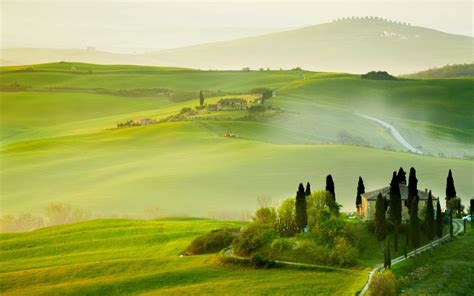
(388, 213)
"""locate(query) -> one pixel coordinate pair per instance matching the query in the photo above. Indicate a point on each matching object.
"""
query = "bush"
(261, 260)
(343, 253)
(252, 238)
(384, 284)
(213, 241)
(281, 245)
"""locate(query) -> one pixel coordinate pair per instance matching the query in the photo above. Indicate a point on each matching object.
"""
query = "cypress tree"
(395, 211)
(401, 176)
(380, 219)
(201, 98)
(307, 192)
(389, 259)
(301, 215)
(360, 191)
(330, 186)
(439, 221)
(412, 188)
(450, 189)
(429, 218)
(414, 224)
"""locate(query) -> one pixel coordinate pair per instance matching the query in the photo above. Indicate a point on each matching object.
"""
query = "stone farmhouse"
(231, 104)
(367, 209)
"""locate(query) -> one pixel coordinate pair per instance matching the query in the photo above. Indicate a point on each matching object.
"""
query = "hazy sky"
(137, 26)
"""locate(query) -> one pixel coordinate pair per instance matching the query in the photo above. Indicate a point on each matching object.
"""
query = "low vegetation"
(212, 242)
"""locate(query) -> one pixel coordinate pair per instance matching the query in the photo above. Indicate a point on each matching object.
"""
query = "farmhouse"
(212, 107)
(367, 209)
(232, 104)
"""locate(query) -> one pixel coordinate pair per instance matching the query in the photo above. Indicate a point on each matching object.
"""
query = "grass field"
(190, 167)
(59, 144)
(117, 257)
(451, 265)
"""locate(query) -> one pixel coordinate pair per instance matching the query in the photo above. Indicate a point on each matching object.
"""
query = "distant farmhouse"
(367, 209)
(140, 121)
(231, 104)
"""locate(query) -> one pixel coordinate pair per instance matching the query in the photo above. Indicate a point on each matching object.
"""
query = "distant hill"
(348, 45)
(355, 45)
(448, 71)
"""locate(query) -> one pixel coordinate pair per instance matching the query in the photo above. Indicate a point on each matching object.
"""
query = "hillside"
(117, 257)
(349, 45)
(60, 116)
(448, 71)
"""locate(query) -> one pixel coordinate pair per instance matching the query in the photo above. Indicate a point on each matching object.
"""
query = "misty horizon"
(125, 28)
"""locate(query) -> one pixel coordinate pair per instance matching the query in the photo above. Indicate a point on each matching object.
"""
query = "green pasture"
(117, 257)
(190, 167)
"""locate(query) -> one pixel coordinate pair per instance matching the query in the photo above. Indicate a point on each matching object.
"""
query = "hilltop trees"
(429, 218)
(201, 99)
(414, 223)
(330, 186)
(301, 216)
(412, 188)
(401, 176)
(360, 191)
(395, 207)
(439, 221)
(380, 219)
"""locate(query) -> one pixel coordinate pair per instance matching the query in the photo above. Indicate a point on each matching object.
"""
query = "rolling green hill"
(59, 142)
(117, 257)
(349, 45)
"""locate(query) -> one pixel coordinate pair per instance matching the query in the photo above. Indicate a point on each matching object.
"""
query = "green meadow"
(59, 141)
(118, 256)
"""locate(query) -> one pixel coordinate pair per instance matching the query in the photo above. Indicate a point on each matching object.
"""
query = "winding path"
(394, 132)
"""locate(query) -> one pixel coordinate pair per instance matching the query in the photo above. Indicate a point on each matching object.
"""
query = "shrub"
(280, 245)
(309, 250)
(343, 253)
(252, 238)
(384, 284)
(213, 241)
(261, 260)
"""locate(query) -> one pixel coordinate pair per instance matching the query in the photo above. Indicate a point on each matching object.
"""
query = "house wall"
(367, 210)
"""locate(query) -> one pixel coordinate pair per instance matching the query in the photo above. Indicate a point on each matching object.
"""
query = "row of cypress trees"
(433, 223)
(301, 216)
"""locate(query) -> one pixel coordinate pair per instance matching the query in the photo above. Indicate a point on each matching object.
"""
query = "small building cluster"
(230, 104)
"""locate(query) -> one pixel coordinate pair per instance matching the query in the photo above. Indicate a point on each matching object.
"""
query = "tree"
(401, 176)
(307, 192)
(414, 224)
(300, 207)
(387, 260)
(380, 218)
(201, 98)
(439, 221)
(330, 186)
(286, 215)
(360, 191)
(395, 212)
(429, 218)
(412, 188)
(450, 189)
